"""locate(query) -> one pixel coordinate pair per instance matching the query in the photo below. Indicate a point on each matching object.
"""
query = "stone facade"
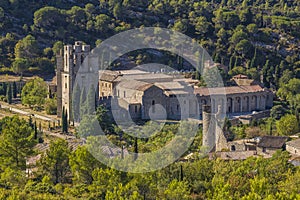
(293, 147)
(179, 98)
(146, 95)
(68, 64)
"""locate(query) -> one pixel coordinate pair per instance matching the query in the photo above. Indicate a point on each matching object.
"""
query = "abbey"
(142, 95)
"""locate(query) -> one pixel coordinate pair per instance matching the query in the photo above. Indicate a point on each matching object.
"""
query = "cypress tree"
(30, 122)
(66, 122)
(4, 85)
(265, 74)
(9, 94)
(35, 130)
(40, 127)
(236, 62)
(76, 103)
(230, 63)
(136, 151)
(181, 173)
(82, 103)
(63, 120)
(277, 76)
(14, 90)
(90, 101)
(252, 64)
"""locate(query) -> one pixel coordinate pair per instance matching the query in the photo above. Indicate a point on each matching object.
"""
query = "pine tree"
(14, 90)
(9, 94)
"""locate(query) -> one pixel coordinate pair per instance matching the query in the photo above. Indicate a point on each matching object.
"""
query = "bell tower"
(68, 64)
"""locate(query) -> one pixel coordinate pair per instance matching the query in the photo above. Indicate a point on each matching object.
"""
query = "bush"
(51, 106)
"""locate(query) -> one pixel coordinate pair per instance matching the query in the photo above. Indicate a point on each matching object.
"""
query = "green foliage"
(64, 120)
(277, 112)
(89, 125)
(20, 65)
(14, 90)
(287, 125)
(104, 119)
(27, 48)
(177, 190)
(16, 142)
(76, 103)
(51, 106)
(55, 162)
(82, 164)
(9, 94)
(34, 93)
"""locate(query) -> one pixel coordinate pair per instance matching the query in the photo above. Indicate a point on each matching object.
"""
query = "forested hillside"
(244, 35)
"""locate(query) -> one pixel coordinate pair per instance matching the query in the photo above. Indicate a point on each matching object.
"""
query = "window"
(232, 148)
(118, 93)
(66, 82)
(177, 107)
(124, 94)
(153, 106)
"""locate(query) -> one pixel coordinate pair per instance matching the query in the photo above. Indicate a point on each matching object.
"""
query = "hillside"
(248, 36)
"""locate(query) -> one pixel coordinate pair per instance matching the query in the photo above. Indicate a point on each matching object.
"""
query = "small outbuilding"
(293, 147)
(270, 144)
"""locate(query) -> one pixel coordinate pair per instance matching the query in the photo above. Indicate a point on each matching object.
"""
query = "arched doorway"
(229, 105)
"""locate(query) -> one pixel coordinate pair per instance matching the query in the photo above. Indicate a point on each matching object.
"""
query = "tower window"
(124, 94)
(153, 106)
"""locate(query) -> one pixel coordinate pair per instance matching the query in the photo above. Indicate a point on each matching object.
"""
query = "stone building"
(68, 64)
(179, 98)
(293, 147)
(143, 95)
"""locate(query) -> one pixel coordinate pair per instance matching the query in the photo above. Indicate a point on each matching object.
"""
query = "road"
(22, 112)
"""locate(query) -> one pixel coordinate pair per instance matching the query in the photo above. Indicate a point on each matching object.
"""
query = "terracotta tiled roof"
(109, 76)
(294, 143)
(272, 141)
(203, 91)
(135, 85)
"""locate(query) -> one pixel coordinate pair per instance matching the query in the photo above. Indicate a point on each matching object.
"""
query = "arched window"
(153, 106)
(232, 147)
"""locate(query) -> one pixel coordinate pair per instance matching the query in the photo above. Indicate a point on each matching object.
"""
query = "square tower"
(68, 63)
